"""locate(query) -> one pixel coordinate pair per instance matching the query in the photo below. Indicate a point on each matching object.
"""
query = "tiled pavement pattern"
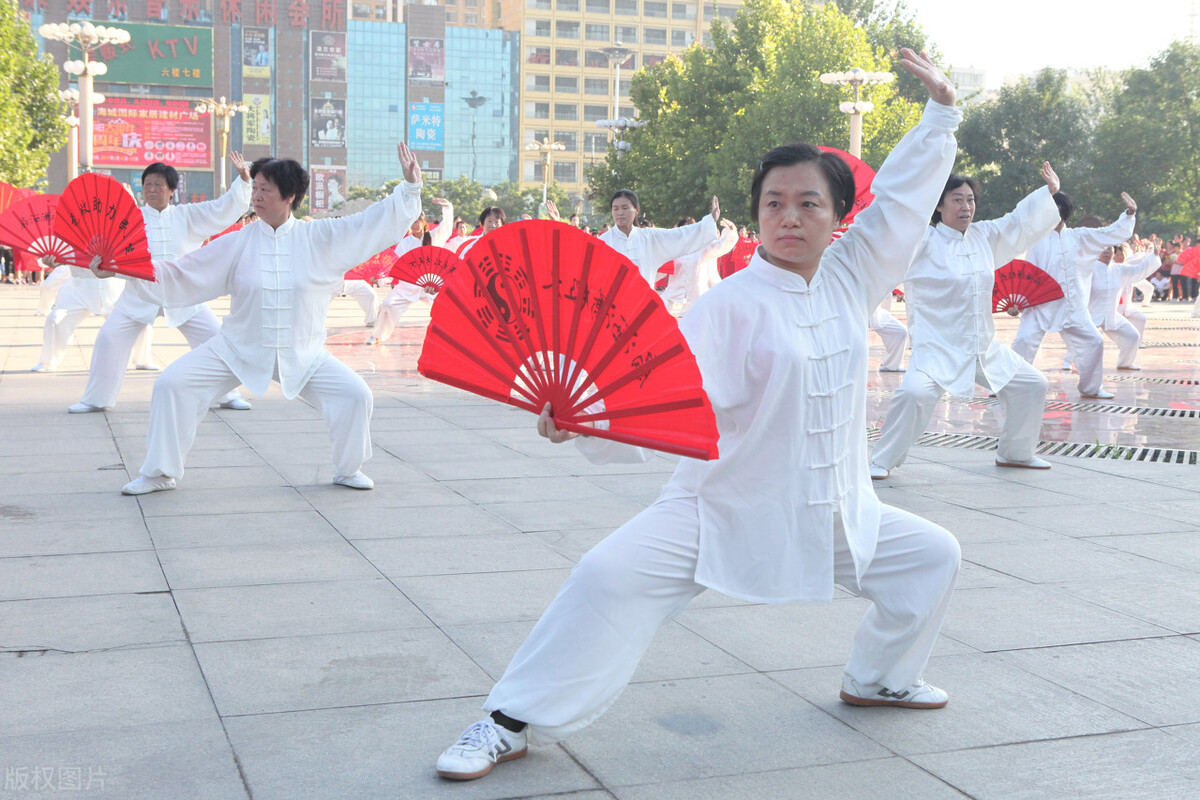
(261, 633)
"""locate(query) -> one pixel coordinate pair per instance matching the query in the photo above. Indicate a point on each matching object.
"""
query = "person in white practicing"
(48, 290)
(696, 273)
(405, 294)
(650, 248)
(280, 274)
(787, 511)
(172, 231)
(1067, 256)
(892, 332)
(1112, 275)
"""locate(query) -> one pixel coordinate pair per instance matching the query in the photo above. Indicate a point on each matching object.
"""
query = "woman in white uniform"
(787, 510)
(650, 248)
(404, 294)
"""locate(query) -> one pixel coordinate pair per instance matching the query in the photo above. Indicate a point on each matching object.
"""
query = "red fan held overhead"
(1020, 285)
(429, 267)
(544, 313)
(374, 268)
(98, 217)
(863, 177)
(29, 225)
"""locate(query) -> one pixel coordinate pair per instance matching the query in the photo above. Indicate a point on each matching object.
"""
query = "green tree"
(713, 111)
(517, 200)
(891, 26)
(464, 193)
(31, 123)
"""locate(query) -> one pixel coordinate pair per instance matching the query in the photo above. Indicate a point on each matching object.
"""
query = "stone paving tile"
(1177, 549)
(235, 500)
(76, 575)
(251, 564)
(1062, 560)
(555, 514)
(433, 555)
(96, 622)
(41, 538)
(216, 530)
(1174, 602)
(559, 487)
(456, 599)
(1093, 519)
(49, 507)
(386, 523)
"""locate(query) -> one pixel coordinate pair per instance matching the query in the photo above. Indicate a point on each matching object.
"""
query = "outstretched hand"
(716, 210)
(940, 89)
(1050, 177)
(552, 211)
(409, 163)
(548, 430)
(239, 163)
(1130, 205)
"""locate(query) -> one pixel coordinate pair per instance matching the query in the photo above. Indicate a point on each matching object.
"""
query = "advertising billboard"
(171, 55)
(327, 123)
(328, 188)
(425, 126)
(135, 131)
(257, 122)
(256, 52)
(327, 56)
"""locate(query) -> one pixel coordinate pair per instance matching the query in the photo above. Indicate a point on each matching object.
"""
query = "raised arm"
(1033, 218)
(667, 244)
(213, 216)
(1091, 241)
(441, 234)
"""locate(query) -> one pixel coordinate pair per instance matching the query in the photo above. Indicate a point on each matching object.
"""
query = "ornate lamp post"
(88, 38)
(856, 108)
(71, 98)
(618, 126)
(224, 112)
(545, 148)
(474, 102)
(617, 54)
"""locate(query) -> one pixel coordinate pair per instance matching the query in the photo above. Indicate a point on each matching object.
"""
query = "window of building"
(537, 83)
(566, 171)
(654, 35)
(471, 3)
(682, 38)
(568, 5)
(624, 87)
(595, 58)
(539, 5)
(594, 113)
(627, 34)
(537, 27)
(360, 11)
(566, 29)
(683, 10)
(566, 83)
(626, 111)
(534, 135)
(537, 55)
(537, 110)
(595, 86)
(709, 12)
(706, 39)
(598, 6)
(532, 171)
(568, 139)
(595, 32)
(566, 111)
(654, 8)
(472, 19)
(595, 143)
(650, 60)
(566, 57)
(628, 8)
(451, 16)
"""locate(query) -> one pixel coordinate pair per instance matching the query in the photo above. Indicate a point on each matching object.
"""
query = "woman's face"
(268, 202)
(958, 208)
(418, 226)
(624, 212)
(491, 222)
(796, 217)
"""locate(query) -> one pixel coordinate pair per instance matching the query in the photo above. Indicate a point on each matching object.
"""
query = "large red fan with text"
(541, 312)
(863, 177)
(10, 194)
(429, 267)
(98, 217)
(374, 268)
(1020, 285)
(29, 225)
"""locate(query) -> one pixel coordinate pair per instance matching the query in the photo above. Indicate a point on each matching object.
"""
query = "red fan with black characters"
(29, 225)
(428, 267)
(863, 177)
(98, 217)
(374, 268)
(544, 313)
(1020, 285)
(10, 194)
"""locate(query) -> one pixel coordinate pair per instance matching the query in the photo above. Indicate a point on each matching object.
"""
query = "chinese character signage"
(256, 52)
(134, 131)
(327, 56)
(160, 54)
(426, 62)
(425, 126)
(327, 123)
(328, 188)
(256, 122)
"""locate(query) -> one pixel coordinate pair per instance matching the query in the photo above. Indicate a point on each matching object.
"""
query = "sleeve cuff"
(941, 117)
(408, 188)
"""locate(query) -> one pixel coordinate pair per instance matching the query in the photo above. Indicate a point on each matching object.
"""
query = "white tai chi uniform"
(650, 248)
(405, 294)
(280, 282)
(1109, 281)
(787, 510)
(948, 295)
(1067, 256)
(48, 291)
(81, 295)
(171, 233)
(892, 332)
(696, 273)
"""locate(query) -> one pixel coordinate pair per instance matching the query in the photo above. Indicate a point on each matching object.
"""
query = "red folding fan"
(428, 267)
(29, 225)
(1021, 285)
(663, 276)
(98, 217)
(10, 194)
(374, 268)
(863, 177)
(543, 312)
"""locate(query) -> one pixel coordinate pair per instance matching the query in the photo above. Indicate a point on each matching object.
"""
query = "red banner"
(135, 131)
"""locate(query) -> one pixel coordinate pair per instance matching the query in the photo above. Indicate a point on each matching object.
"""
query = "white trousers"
(50, 286)
(393, 307)
(1084, 343)
(1127, 338)
(60, 326)
(1022, 399)
(364, 294)
(116, 341)
(185, 390)
(1136, 318)
(1147, 290)
(894, 336)
(585, 648)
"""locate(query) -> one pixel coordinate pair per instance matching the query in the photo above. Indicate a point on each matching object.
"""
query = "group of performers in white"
(787, 511)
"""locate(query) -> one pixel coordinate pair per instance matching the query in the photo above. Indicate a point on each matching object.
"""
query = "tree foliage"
(711, 112)
(31, 123)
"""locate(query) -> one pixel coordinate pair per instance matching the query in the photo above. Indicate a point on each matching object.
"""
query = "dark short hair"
(487, 212)
(168, 173)
(952, 183)
(837, 175)
(628, 195)
(1090, 221)
(685, 221)
(1065, 207)
(289, 177)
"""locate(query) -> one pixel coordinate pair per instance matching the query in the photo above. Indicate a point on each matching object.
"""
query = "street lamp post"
(88, 38)
(224, 112)
(475, 101)
(617, 54)
(856, 78)
(545, 147)
(71, 98)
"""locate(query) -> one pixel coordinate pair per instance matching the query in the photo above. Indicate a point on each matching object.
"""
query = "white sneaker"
(145, 484)
(370, 339)
(919, 695)
(879, 473)
(42, 368)
(1033, 463)
(237, 404)
(481, 747)
(1099, 395)
(356, 481)
(1130, 367)
(83, 408)
(148, 367)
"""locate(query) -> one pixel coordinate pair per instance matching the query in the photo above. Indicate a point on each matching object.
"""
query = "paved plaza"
(259, 633)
